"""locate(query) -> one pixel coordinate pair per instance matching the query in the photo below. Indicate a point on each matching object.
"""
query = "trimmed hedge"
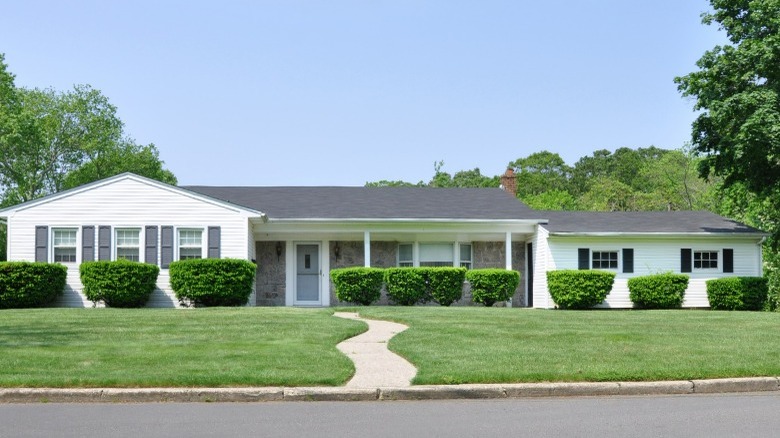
(213, 282)
(120, 283)
(445, 285)
(358, 285)
(579, 289)
(406, 286)
(737, 293)
(490, 286)
(28, 284)
(660, 291)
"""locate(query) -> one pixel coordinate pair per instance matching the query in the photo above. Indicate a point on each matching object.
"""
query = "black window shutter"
(166, 246)
(215, 240)
(104, 242)
(628, 260)
(583, 256)
(728, 260)
(42, 243)
(88, 243)
(150, 239)
(685, 260)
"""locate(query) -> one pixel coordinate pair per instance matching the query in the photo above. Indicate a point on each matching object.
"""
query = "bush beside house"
(405, 286)
(120, 283)
(358, 285)
(579, 289)
(490, 286)
(213, 282)
(737, 293)
(445, 285)
(30, 284)
(660, 291)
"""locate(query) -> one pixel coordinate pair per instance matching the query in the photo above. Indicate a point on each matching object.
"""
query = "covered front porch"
(295, 257)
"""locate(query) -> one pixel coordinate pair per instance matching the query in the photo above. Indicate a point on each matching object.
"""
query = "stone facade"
(383, 255)
(271, 268)
(492, 255)
(270, 277)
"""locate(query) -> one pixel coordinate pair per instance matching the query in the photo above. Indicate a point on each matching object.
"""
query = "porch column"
(367, 249)
(508, 250)
(508, 257)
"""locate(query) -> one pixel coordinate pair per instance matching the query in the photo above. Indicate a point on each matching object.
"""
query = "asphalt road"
(742, 415)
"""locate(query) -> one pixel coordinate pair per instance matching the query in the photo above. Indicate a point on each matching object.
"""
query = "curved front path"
(375, 365)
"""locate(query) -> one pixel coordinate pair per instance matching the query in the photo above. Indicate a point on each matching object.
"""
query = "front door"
(307, 273)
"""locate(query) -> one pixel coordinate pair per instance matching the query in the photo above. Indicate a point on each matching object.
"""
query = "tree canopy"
(52, 140)
(737, 91)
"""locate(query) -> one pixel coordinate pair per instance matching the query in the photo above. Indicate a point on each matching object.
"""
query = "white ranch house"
(296, 235)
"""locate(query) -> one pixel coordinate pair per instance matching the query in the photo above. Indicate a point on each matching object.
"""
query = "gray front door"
(307, 271)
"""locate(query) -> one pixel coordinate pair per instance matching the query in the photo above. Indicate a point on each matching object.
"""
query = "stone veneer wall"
(270, 279)
(270, 276)
(491, 255)
(383, 255)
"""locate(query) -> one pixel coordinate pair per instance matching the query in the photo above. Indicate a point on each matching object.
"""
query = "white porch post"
(508, 257)
(367, 249)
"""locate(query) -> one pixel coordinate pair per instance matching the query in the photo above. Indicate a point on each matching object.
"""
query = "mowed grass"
(167, 347)
(499, 345)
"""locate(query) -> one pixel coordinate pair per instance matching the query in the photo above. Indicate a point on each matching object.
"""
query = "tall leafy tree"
(541, 172)
(737, 92)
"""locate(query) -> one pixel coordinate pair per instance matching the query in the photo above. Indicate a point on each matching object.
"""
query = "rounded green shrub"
(579, 289)
(27, 284)
(445, 285)
(490, 286)
(213, 282)
(737, 293)
(120, 283)
(405, 286)
(660, 291)
(358, 285)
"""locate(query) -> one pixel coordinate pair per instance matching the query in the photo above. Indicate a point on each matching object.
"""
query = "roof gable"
(122, 178)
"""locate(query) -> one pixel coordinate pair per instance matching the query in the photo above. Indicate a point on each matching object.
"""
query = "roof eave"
(726, 234)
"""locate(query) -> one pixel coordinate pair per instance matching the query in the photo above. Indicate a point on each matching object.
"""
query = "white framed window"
(465, 255)
(128, 244)
(604, 260)
(190, 243)
(705, 260)
(63, 243)
(405, 255)
(436, 254)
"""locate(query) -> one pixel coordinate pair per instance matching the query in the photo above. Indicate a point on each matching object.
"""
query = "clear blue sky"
(338, 92)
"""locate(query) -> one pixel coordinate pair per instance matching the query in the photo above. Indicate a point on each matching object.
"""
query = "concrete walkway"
(375, 365)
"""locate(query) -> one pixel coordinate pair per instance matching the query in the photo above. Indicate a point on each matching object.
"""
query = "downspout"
(761, 256)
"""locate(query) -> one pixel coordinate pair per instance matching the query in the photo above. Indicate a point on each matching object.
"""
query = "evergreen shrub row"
(120, 283)
(410, 286)
(30, 284)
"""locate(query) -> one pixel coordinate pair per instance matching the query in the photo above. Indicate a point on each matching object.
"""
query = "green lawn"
(166, 347)
(499, 345)
(296, 347)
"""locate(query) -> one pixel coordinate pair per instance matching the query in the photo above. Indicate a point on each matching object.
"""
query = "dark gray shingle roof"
(373, 202)
(642, 222)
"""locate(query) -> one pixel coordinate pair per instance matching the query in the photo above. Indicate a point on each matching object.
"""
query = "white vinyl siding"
(128, 244)
(64, 242)
(652, 255)
(127, 203)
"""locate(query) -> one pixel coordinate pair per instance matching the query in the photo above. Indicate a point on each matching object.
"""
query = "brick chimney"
(509, 182)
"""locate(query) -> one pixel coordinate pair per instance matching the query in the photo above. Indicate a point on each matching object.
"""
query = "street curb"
(423, 392)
